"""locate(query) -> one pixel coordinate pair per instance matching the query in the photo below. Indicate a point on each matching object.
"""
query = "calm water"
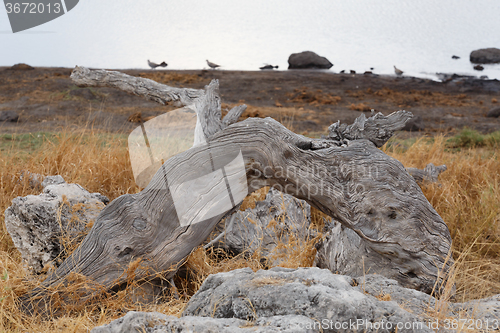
(418, 36)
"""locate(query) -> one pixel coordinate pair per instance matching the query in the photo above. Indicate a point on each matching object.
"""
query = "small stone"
(493, 113)
(37, 222)
(9, 116)
(53, 180)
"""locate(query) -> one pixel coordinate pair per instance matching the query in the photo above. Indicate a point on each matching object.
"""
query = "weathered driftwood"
(368, 192)
(378, 129)
(206, 102)
(429, 174)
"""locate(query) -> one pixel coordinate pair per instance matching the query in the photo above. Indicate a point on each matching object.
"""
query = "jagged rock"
(159, 323)
(34, 179)
(308, 60)
(411, 300)
(272, 220)
(133, 322)
(38, 181)
(485, 56)
(310, 292)
(36, 222)
(493, 113)
(309, 300)
(53, 180)
(9, 116)
(486, 311)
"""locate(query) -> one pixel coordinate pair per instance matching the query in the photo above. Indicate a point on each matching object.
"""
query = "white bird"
(212, 65)
(153, 65)
(398, 71)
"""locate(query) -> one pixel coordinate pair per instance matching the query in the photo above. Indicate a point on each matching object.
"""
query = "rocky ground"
(45, 99)
(311, 300)
(306, 299)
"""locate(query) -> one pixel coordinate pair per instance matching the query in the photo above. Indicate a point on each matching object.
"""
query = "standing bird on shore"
(398, 71)
(267, 66)
(153, 65)
(212, 65)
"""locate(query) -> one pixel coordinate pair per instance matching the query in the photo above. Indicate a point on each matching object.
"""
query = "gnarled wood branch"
(429, 174)
(149, 89)
(368, 192)
(234, 114)
(378, 129)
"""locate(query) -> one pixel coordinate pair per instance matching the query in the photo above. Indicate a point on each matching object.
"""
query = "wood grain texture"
(234, 114)
(378, 129)
(392, 228)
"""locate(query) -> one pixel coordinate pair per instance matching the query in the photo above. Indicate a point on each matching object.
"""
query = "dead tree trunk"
(398, 233)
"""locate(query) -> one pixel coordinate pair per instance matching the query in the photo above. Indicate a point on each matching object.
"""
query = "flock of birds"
(212, 65)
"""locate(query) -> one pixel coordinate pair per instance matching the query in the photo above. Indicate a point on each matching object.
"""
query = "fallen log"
(345, 176)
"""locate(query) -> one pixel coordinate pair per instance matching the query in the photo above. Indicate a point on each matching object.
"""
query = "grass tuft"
(469, 138)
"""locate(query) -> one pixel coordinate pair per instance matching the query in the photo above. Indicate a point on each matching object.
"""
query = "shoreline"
(434, 76)
(45, 98)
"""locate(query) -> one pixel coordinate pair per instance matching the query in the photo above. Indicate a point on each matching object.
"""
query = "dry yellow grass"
(467, 199)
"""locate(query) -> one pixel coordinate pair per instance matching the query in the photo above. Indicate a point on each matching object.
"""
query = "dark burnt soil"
(306, 101)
